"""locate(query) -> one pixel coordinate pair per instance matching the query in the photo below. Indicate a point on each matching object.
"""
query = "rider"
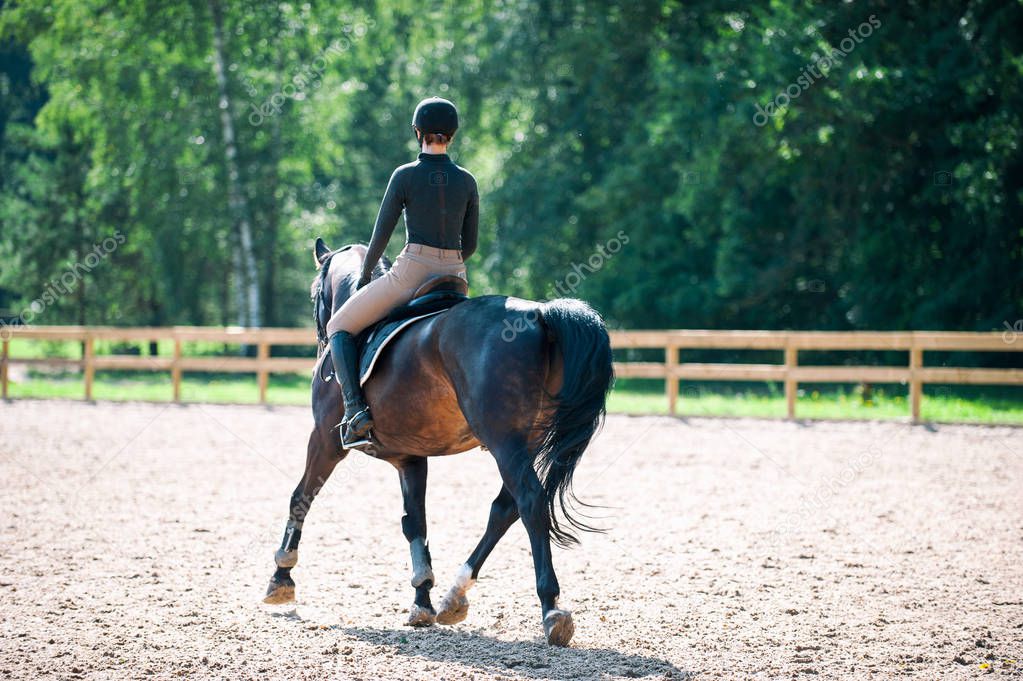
(441, 206)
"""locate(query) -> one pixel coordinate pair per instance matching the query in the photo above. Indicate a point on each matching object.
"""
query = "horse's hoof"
(454, 608)
(558, 627)
(279, 594)
(421, 617)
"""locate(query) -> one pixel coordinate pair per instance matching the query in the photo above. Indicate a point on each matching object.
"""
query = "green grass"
(981, 404)
(631, 396)
(123, 386)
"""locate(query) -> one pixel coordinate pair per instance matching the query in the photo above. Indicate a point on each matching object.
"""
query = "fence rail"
(671, 370)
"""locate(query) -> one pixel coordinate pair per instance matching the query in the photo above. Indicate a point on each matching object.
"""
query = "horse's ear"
(320, 250)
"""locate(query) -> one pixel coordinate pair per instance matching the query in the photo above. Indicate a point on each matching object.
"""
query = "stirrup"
(350, 439)
(359, 443)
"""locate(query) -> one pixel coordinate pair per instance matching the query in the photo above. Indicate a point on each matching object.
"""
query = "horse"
(527, 381)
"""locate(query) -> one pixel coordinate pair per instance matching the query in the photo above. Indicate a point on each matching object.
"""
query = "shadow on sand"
(532, 659)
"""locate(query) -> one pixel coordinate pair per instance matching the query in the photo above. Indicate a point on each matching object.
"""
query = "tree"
(884, 193)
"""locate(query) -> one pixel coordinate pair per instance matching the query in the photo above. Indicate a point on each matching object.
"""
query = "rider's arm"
(387, 217)
(470, 224)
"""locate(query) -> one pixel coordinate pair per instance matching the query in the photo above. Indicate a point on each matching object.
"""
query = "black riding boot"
(357, 420)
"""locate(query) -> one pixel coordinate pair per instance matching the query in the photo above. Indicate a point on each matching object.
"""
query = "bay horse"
(527, 381)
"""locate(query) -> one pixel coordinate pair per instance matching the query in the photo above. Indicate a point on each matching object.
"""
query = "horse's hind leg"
(516, 468)
(503, 513)
(412, 474)
(322, 455)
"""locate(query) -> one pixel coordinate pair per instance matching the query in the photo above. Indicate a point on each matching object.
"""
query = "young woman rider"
(441, 205)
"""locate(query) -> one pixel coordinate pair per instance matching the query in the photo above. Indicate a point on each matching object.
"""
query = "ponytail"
(436, 138)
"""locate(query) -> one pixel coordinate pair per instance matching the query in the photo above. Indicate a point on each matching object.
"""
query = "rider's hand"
(363, 280)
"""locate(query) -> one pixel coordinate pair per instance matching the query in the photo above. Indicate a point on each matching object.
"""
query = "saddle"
(436, 295)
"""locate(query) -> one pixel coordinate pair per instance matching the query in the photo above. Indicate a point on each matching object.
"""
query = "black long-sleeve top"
(441, 204)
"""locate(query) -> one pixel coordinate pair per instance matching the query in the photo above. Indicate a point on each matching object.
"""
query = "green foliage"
(885, 195)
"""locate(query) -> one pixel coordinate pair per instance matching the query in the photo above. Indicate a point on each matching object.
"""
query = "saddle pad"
(380, 337)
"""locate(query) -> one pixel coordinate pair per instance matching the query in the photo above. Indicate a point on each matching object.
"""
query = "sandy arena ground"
(138, 540)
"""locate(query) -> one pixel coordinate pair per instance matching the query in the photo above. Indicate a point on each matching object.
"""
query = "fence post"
(176, 369)
(670, 380)
(791, 387)
(3, 368)
(916, 363)
(89, 367)
(261, 372)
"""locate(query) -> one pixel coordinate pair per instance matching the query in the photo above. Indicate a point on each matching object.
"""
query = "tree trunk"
(272, 214)
(247, 278)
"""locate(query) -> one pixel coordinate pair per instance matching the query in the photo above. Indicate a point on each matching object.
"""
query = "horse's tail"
(577, 409)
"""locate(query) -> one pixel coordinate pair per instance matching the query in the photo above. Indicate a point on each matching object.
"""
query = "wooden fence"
(671, 370)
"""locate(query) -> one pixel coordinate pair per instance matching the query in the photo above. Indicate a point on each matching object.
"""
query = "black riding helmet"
(436, 115)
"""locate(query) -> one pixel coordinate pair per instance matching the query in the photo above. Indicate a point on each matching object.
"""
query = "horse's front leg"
(412, 473)
(322, 455)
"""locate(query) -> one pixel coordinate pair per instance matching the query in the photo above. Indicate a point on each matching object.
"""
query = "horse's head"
(336, 281)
